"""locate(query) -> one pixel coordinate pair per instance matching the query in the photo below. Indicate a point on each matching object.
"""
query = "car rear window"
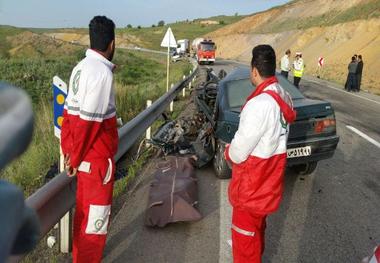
(239, 90)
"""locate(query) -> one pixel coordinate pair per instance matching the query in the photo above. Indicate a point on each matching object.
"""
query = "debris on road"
(204, 145)
(187, 136)
(173, 193)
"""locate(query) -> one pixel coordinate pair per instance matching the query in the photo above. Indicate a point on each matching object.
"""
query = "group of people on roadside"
(355, 71)
(298, 67)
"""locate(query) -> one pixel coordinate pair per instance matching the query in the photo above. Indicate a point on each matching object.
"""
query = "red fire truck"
(204, 50)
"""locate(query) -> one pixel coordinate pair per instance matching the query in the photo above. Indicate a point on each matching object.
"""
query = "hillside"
(333, 29)
(148, 37)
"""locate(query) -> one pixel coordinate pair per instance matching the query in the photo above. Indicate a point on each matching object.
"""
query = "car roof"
(242, 72)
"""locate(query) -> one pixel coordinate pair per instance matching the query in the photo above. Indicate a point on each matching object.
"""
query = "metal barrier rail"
(53, 200)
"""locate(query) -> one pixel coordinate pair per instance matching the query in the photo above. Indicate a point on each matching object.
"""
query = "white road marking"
(363, 135)
(345, 92)
(225, 249)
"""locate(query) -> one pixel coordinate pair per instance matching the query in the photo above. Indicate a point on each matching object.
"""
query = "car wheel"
(221, 168)
(305, 168)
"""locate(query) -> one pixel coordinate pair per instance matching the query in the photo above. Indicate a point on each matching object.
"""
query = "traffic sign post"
(321, 62)
(168, 41)
(60, 94)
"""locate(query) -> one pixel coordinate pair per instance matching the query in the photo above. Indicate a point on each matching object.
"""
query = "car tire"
(305, 168)
(221, 168)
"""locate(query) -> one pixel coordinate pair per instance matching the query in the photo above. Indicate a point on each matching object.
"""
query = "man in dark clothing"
(359, 72)
(352, 82)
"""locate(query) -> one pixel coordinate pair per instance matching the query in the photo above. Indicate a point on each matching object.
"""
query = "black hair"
(264, 60)
(287, 52)
(102, 32)
(353, 58)
(360, 56)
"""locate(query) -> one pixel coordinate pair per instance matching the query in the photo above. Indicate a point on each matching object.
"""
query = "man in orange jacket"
(89, 140)
(258, 157)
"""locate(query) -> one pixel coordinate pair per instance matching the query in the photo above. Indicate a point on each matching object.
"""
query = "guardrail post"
(65, 223)
(184, 89)
(148, 131)
(172, 103)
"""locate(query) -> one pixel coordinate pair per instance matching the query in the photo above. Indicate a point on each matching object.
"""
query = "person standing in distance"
(258, 155)
(89, 141)
(298, 69)
(359, 72)
(285, 64)
(352, 81)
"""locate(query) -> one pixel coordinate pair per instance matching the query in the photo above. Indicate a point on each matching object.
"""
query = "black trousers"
(359, 80)
(352, 82)
(297, 82)
(285, 74)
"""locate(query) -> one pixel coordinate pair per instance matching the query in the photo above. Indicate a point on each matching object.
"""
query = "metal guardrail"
(53, 200)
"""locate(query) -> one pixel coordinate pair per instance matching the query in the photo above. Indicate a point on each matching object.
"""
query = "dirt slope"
(28, 44)
(123, 40)
(336, 43)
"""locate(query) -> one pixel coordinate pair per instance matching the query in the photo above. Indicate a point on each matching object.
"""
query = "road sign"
(59, 94)
(321, 61)
(169, 39)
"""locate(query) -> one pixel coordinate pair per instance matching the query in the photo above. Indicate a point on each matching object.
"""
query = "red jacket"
(258, 150)
(89, 129)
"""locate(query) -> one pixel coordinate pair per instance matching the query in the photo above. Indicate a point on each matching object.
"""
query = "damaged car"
(312, 137)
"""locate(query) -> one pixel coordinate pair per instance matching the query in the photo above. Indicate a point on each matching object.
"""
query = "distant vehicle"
(183, 48)
(204, 50)
(312, 137)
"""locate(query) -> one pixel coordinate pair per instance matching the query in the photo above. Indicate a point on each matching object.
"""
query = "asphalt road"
(331, 216)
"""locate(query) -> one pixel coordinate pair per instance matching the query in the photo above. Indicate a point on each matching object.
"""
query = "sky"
(78, 13)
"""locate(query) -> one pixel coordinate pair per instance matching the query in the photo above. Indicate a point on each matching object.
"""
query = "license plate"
(299, 152)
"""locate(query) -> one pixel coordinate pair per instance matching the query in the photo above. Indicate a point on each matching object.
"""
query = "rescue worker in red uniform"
(258, 157)
(89, 141)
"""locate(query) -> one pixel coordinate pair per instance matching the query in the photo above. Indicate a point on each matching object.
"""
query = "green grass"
(366, 10)
(35, 75)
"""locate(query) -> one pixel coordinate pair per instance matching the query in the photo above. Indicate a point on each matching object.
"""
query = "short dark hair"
(360, 56)
(264, 60)
(287, 52)
(102, 32)
(353, 58)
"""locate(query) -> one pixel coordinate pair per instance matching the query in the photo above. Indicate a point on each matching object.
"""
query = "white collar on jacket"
(93, 54)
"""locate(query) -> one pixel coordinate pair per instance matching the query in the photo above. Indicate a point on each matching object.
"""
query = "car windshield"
(207, 47)
(239, 90)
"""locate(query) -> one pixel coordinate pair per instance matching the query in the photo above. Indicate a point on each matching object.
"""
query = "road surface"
(331, 216)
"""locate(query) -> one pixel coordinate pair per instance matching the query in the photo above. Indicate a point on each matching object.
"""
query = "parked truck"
(204, 50)
(183, 47)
